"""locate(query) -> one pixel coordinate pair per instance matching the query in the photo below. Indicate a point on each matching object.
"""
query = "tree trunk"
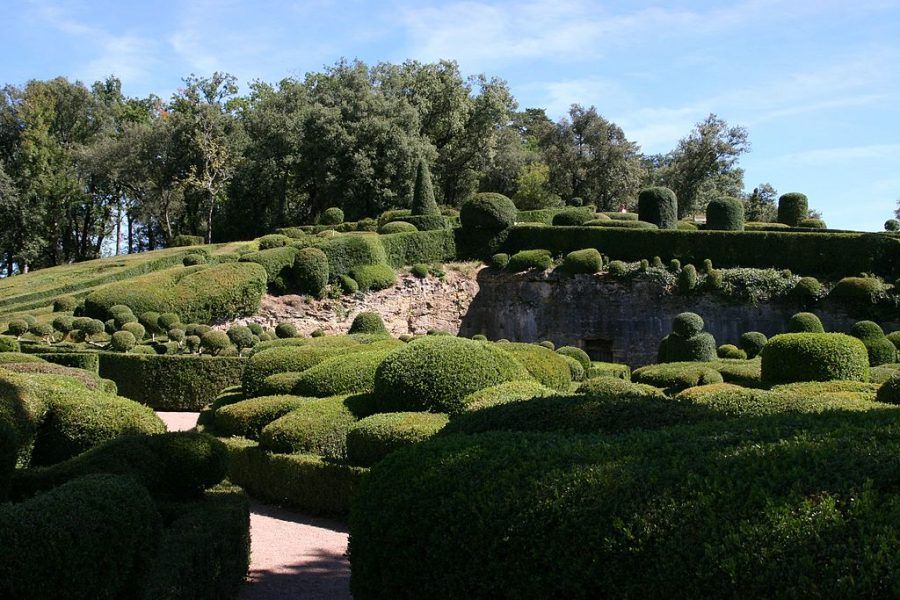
(209, 218)
(118, 229)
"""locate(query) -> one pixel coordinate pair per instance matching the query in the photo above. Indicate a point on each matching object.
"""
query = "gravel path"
(292, 555)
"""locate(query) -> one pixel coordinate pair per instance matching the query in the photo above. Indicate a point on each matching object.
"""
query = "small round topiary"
(310, 271)
(500, 260)
(793, 207)
(805, 322)
(348, 284)
(241, 336)
(530, 259)
(617, 268)
(64, 304)
(889, 391)
(687, 324)
(792, 357)
(286, 330)
(436, 373)
(687, 279)
(317, 333)
(193, 259)
(881, 350)
(866, 331)
(397, 227)
(892, 225)
(136, 329)
(894, 337)
(587, 261)
(725, 214)
(577, 353)
(863, 290)
(658, 205)
(9, 344)
(255, 328)
(110, 326)
(63, 324)
(214, 342)
(332, 216)
(372, 438)
(807, 290)
(176, 335)
(122, 341)
(730, 351)
(41, 330)
(419, 270)
(572, 217)
(488, 211)
(168, 320)
(752, 343)
(150, 321)
(548, 344)
(479, 337)
(193, 343)
(368, 322)
(812, 224)
(675, 265)
(657, 263)
(17, 327)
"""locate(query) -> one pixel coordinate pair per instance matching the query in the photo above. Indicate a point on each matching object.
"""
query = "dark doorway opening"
(598, 349)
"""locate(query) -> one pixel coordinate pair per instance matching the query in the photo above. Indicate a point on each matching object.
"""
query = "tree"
(704, 164)
(761, 204)
(533, 190)
(897, 211)
(423, 195)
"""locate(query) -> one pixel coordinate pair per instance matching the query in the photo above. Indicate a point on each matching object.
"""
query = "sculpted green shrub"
(215, 342)
(285, 359)
(278, 263)
(687, 279)
(511, 391)
(373, 277)
(530, 259)
(676, 376)
(241, 336)
(122, 341)
(814, 357)
(576, 369)
(64, 304)
(577, 353)
(488, 211)
(346, 374)
(752, 342)
(881, 350)
(273, 240)
(332, 216)
(573, 217)
(792, 208)
(17, 327)
(731, 351)
(348, 251)
(397, 227)
(726, 214)
(658, 205)
(812, 224)
(545, 366)
(423, 202)
(437, 373)
(368, 322)
(805, 322)
(588, 260)
(183, 240)
(9, 344)
(499, 260)
(248, 417)
(864, 290)
(193, 259)
(427, 222)
(372, 438)
(348, 284)
(807, 290)
(889, 391)
(687, 342)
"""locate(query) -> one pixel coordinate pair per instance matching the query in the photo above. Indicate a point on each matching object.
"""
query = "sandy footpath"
(292, 555)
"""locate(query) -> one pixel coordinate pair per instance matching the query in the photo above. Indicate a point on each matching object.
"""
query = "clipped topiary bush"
(348, 284)
(687, 279)
(812, 224)
(397, 227)
(658, 205)
(9, 344)
(500, 260)
(881, 350)
(511, 391)
(488, 211)
(805, 322)
(889, 391)
(794, 357)
(286, 359)
(368, 322)
(793, 207)
(807, 290)
(863, 290)
(332, 216)
(248, 417)
(725, 214)
(286, 331)
(64, 304)
(530, 259)
(310, 271)
(545, 366)
(423, 202)
(752, 342)
(372, 438)
(373, 277)
(730, 351)
(572, 217)
(675, 377)
(122, 341)
(345, 374)
(576, 369)
(437, 373)
(279, 265)
(577, 353)
(892, 225)
(588, 260)
(215, 342)
(687, 342)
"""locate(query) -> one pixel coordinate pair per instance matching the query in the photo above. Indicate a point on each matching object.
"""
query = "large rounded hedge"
(284, 359)
(676, 376)
(881, 350)
(658, 205)
(437, 373)
(373, 277)
(310, 271)
(725, 214)
(793, 207)
(344, 374)
(805, 322)
(248, 417)
(488, 211)
(588, 261)
(368, 322)
(770, 507)
(371, 439)
(545, 366)
(794, 357)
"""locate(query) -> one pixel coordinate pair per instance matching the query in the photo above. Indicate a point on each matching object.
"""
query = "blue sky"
(817, 83)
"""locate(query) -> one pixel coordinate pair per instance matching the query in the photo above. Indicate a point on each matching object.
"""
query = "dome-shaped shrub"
(168, 320)
(807, 290)
(241, 336)
(793, 207)
(215, 341)
(18, 327)
(892, 225)
(814, 357)
(332, 216)
(688, 341)
(136, 329)
(576, 370)
(122, 341)
(572, 217)
(805, 322)
(577, 353)
(248, 417)
(725, 214)
(511, 391)
(752, 343)
(348, 284)
(687, 324)
(310, 271)
(343, 374)
(588, 260)
(371, 439)
(730, 351)
(397, 227)
(863, 290)
(499, 260)
(812, 224)
(530, 259)
(677, 376)
(658, 205)
(373, 277)
(436, 373)
(286, 330)
(64, 304)
(881, 350)
(368, 322)
(545, 366)
(488, 211)
(889, 391)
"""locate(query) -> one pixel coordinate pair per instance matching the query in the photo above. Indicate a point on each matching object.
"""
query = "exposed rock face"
(612, 320)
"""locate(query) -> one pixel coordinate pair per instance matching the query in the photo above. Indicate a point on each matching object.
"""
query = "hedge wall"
(808, 253)
(171, 382)
(89, 361)
(404, 249)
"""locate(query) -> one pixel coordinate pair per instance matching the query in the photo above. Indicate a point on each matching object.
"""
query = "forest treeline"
(88, 170)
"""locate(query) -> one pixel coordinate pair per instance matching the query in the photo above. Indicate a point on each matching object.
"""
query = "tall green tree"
(760, 204)
(423, 194)
(533, 188)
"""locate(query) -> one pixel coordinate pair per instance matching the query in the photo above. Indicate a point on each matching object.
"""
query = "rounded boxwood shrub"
(808, 289)
(658, 205)
(420, 270)
(864, 290)
(794, 357)
(283, 360)
(752, 342)
(332, 216)
(63, 324)
(812, 224)
(344, 374)
(687, 279)
(348, 284)
(525, 260)
(892, 225)
(241, 336)
(397, 227)
(247, 417)
(687, 342)
(881, 350)
(572, 217)
(889, 391)
(135, 329)
(9, 344)
(215, 342)
(193, 259)
(511, 391)
(731, 351)
(122, 341)
(318, 427)
(576, 370)
(64, 304)
(17, 327)
(725, 214)
(286, 330)
(279, 384)
(545, 366)
(488, 211)
(894, 336)
(617, 268)
(675, 377)
(437, 373)
(499, 260)
(310, 272)
(588, 260)
(620, 224)
(577, 353)
(793, 207)
(805, 322)
(373, 277)
(372, 438)
(368, 322)
(167, 321)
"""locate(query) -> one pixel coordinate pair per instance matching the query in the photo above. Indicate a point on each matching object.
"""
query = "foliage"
(725, 214)
(659, 206)
(530, 259)
(423, 202)
(332, 216)
(677, 376)
(752, 342)
(248, 417)
(794, 357)
(805, 322)
(372, 438)
(367, 322)
(793, 207)
(488, 211)
(344, 374)
(546, 366)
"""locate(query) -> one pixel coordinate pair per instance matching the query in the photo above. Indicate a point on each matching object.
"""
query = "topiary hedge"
(285, 359)
(310, 271)
(725, 214)
(658, 205)
(511, 391)
(371, 439)
(404, 249)
(437, 373)
(792, 208)
(397, 227)
(171, 382)
(794, 357)
(332, 216)
(588, 260)
(183, 240)
(687, 342)
(373, 277)
(572, 216)
(530, 259)
(881, 350)
(278, 263)
(344, 374)
(805, 322)
(676, 376)
(348, 251)
(368, 322)
(247, 418)
(752, 342)
(426, 222)
(545, 366)
(488, 211)
(753, 508)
